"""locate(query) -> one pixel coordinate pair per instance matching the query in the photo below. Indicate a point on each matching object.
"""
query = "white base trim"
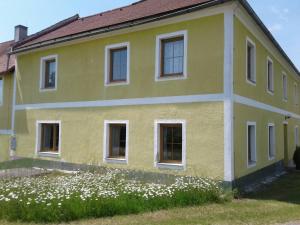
(6, 132)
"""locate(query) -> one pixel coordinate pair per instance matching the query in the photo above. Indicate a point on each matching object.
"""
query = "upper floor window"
(48, 73)
(270, 76)
(171, 54)
(250, 61)
(296, 94)
(1, 90)
(284, 87)
(117, 64)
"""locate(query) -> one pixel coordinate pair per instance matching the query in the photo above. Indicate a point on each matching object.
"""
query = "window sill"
(272, 158)
(117, 83)
(270, 92)
(253, 83)
(48, 154)
(116, 161)
(47, 89)
(174, 77)
(173, 166)
(251, 165)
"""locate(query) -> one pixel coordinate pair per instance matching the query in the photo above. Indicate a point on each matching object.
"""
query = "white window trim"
(273, 157)
(250, 123)
(2, 100)
(157, 164)
(183, 33)
(248, 40)
(271, 92)
(107, 64)
(284, 98)
(296, 97)
(38, 139)
(42, 72)
(106, 159)
(296, 137)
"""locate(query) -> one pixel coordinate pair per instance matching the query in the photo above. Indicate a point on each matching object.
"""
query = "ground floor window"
(271, 141)
(48, 137)
(170, 143)
(251, 143)
(116, 140)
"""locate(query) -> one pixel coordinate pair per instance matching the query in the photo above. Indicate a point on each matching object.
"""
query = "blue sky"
(282, 17)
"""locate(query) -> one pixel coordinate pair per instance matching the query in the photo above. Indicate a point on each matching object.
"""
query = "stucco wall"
(4, 147)
(82, 134)
(81, 66)
(5, 108)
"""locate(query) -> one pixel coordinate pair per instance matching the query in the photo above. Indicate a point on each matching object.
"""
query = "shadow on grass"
(285, 189)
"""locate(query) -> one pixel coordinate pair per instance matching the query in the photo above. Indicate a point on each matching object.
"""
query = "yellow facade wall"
(81, 66)
(6, 107)
(259, 91)
(244, 114)
(82, 134)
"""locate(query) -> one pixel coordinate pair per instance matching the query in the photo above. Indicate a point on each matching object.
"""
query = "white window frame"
(296, 136)
(106, 158)
(42, 72)
(174, 166)
(38, 138)
(107, 64)
(269, 156)
(296, 94)
(2, 99)
(250, 123)
(284, 87)
(270, 91)
(159, 38)
(249, 41)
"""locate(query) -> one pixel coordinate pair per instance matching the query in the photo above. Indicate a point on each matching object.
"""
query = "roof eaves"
(258, 21)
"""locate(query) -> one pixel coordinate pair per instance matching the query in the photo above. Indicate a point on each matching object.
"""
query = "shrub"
(297, 157)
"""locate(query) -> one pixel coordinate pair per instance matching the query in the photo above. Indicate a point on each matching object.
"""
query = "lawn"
(278, 203)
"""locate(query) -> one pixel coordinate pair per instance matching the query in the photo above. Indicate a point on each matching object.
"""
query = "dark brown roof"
(138, 10)
(7, 62)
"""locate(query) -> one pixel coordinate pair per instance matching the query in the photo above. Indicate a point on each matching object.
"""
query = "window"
(284, 86)
(1, 91)
(296, 94)
(271, 141)
(48, 135)
(251, 143)
(117, 64)
(296, 136)
(251, 61)
(270, 76)
(170, 144)
(48, 73)
(116, 141)
(171, 56)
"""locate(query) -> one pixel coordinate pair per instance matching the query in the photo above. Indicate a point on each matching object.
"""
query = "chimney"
(20, 33)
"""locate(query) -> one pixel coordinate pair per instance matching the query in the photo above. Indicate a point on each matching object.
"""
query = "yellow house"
(196, 87)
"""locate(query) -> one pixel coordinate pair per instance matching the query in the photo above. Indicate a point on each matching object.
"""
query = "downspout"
(12, 147)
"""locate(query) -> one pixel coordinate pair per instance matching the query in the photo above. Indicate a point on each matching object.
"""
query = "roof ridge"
(49, 29)
(115, 9)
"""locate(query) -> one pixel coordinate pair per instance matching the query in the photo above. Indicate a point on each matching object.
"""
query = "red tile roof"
(7, 63)
(138, 10)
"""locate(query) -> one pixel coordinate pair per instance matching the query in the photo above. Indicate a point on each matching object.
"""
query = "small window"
(251, 62)
(171, 56)
(171, 143)
(296, 136)
(48, 73)
(296, 94)
(270, 76)
(49, 141)
(271, 141)
(284, 87)
(1, 90)
(251, 143)
(116, 141)
(117, 64)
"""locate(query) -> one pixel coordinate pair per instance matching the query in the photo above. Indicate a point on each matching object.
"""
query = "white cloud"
(275, 27)
(281, 14)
